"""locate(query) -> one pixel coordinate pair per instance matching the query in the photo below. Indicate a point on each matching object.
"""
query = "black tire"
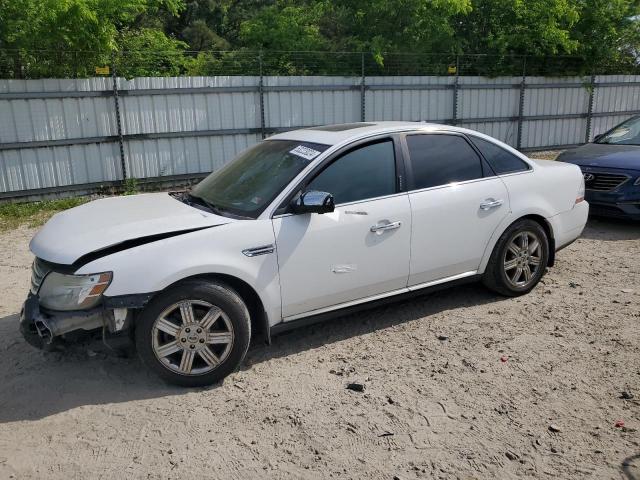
(215, 294)
(496, 278)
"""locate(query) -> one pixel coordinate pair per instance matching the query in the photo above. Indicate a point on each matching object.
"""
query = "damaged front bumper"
(41, 327)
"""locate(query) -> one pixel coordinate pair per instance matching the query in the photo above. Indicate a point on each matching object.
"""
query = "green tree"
(608, 31)
(149, 52)
(531, 27)
(392, 25)
(71, 37)
(200, 37)
(63, 37)
(284, 27)
(374, 25)
(377, 26)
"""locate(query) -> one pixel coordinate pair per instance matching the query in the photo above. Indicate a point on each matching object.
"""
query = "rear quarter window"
(501, 160)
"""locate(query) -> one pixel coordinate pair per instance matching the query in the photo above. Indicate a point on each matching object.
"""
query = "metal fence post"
(455, 92)
(261, 95)
(18, 72)
(362, 88)
(592, 88)
(116, 100)
(523, 86)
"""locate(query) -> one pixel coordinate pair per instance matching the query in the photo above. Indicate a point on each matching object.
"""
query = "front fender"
(218, 250)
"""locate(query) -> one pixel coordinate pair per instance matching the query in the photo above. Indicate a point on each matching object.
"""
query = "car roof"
(343, 132)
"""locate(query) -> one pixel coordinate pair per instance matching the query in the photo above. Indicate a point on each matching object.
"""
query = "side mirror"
(313, 202)
(598, 137)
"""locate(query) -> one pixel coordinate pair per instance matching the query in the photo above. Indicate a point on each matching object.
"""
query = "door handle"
(490, 203)
(383, 227)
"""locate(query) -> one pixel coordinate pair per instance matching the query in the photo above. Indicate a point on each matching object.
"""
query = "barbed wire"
(47, 63)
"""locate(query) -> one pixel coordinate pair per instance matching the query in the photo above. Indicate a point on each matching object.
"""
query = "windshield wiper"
(196, 199)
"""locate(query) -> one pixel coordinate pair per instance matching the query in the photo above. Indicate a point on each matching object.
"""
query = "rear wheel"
(518, 260)
(194, 334)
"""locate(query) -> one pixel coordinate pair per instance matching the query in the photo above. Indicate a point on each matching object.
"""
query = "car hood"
(114, 221)
(603, 155)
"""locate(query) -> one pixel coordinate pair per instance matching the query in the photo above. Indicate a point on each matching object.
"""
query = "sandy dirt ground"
(431, 408)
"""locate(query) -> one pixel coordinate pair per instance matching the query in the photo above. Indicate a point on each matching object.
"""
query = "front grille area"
(603, 182)
(39, 270)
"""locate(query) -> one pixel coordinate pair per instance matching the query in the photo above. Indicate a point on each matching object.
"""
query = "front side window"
(627, 133)
(501, 160)
(438, 159)
(249, 183)
(363, 173)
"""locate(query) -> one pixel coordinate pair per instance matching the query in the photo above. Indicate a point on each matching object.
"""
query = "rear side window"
(501, 160)
(366, 172)
(438, 159)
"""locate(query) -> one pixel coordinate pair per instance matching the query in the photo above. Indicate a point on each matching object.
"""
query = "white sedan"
(302, 226)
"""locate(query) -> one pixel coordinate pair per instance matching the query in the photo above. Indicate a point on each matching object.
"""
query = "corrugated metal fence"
(77, 134)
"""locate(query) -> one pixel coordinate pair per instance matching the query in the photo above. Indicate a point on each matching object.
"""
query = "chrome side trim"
(513, 174)
(380, 296)
(455, 184)
(345, 304)
(261, 250)
(442, 280)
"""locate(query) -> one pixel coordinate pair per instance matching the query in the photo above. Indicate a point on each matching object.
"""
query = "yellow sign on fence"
(452, 69)
(102, 70)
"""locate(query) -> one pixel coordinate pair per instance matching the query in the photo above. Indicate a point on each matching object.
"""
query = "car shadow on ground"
(38, 384)
(371, 320)
(611, 229)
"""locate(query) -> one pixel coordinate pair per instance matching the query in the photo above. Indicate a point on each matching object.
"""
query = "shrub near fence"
(63, 135)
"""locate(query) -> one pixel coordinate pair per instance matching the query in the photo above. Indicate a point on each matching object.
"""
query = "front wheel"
(518, 260)
(194, 334)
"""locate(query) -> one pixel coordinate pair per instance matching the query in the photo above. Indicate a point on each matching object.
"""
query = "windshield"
(627, 133)
(249, 183)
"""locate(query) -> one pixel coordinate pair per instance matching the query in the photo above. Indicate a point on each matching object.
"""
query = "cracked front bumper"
(41, 327)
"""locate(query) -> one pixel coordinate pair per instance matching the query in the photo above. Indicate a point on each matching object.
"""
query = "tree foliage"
(66, 37)
(80, 34)
(540, 27)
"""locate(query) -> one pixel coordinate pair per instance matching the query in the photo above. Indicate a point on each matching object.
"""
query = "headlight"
(73, 292)
(637, 182)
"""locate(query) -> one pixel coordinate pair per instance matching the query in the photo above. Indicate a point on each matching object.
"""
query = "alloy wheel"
(522, 259)
(192, 337)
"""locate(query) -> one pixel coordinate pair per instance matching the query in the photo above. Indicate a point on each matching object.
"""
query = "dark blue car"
(611, 169)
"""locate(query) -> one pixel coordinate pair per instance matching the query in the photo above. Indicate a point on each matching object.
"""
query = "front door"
(358, 251)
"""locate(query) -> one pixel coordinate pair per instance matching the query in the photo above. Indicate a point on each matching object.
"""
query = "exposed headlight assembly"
(73, 292)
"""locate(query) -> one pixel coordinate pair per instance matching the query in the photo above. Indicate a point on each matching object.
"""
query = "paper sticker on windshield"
(305, 152)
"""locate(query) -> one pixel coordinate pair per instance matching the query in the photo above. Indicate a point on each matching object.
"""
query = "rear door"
(457, 203)
(358, 251)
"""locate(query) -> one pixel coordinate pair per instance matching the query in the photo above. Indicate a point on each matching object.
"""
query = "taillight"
(580, 194)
